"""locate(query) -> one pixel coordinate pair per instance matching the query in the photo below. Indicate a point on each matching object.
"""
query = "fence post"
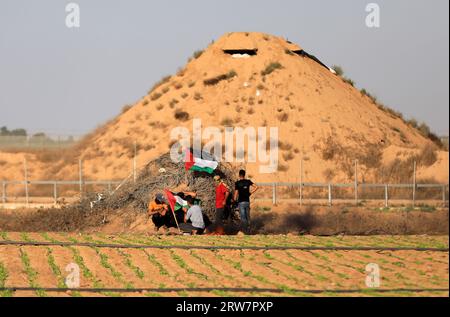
(55, 193)
(4, 192)
(386, 197)
(356, 182)
(414, 186)
(301, 181)
(26, 182)
(444, 187)
(134, 162)
(330, 202)
(274, 193)
(80, 168)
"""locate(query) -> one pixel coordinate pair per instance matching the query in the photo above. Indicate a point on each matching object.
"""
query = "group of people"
(190, 218)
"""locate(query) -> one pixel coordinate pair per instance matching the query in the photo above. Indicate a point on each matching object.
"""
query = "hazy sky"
(68, 81)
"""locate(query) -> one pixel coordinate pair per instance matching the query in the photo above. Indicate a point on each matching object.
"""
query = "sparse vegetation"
(126, 108)
(159, 83)
(338, 69)
(181, 115)
(198, 96)
(156, 96)
(284, 146)
(215, 80)
(173, 103)
(329, 174)
(271, 68)
(283, 168)
(227, 122)
(283, 117)
(331, 149)
(197, 54)
(288, 156)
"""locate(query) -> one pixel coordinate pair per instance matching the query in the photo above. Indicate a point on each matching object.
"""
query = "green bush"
(181, 115)
(271, 68)
(338, 69)
(215, 80)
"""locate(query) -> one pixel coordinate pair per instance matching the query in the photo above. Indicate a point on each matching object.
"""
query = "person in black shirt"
(244, 188)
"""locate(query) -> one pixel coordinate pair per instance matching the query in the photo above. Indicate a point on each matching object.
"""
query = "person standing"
(222, 193)
(244, 188)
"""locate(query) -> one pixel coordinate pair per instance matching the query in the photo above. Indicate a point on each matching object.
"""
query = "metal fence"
(80, 185)
(325, 192)
(37, 141)
(328, 190)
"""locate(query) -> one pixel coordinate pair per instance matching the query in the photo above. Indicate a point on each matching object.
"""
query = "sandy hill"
(255, 79)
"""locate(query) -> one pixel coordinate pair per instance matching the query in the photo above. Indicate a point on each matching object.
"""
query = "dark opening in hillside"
(251, 52)
(302, 53)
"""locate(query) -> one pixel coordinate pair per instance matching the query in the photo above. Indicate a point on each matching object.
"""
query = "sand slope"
(320, 117)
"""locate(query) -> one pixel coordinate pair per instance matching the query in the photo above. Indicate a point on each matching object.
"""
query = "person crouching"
(195, 216)
(158, 211)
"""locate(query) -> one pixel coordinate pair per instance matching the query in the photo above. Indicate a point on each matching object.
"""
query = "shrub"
(298, 124)
(338, 69)
(413, 123)
(288, 156)
(184, 95)
(197, 96)
(159, 83)
(191, 84)
(155, 96)
(444, 142)
(349, 81)
(331, 149)
(271, 68)
(283, 168)
(178, 86)
(250, 111)
(283, 117)
(159, 107)
(165, 90)
(372, 158)
(329, 174)
(126, 108)
(181, 115)
(427, 155)
(227, 122)
(172, 103)
(215, 80)
(371, 97)
(197, 54)
(284, 146)
(424, 129)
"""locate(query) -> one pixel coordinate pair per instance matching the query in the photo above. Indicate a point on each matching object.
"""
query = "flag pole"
(173, 211)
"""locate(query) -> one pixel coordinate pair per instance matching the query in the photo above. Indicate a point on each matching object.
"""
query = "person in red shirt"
(222, 193)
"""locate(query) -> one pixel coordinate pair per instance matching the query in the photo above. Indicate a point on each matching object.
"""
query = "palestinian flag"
(193, 163)
(175, 202)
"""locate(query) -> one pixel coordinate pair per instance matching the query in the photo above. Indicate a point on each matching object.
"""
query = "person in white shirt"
(195, 216)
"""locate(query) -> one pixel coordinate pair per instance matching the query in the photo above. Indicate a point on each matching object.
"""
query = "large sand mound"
(253, 80)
